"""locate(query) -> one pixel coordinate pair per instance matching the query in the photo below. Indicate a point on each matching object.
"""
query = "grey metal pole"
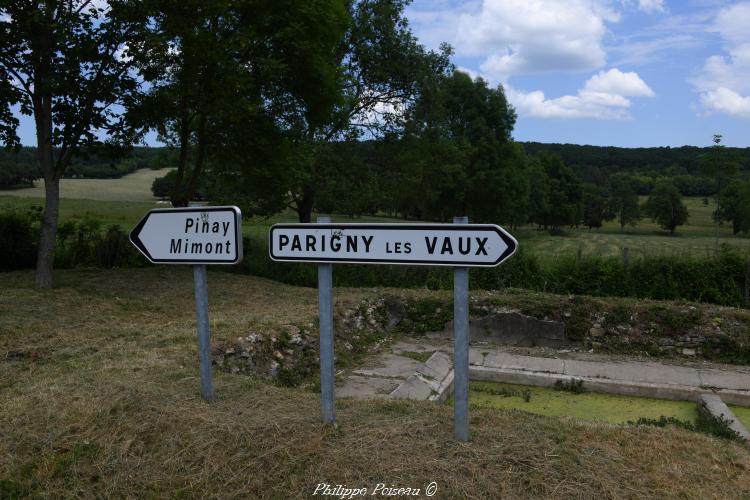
(325, 303)
(461, 348)
(204, 333)
(201, 321)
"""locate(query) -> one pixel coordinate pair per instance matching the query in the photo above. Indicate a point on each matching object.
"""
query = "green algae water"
(587, 406)
(742, 414)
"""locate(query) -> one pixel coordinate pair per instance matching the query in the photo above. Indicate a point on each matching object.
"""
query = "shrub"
(718, 280)
(18, 241)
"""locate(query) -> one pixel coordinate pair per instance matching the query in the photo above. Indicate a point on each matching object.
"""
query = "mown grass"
(135, 186)
(99, 398)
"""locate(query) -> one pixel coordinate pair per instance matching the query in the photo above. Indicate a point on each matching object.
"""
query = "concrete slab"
(724, 379)
(476, 356)
(439, 364)
(713, 404)
(499, 359)
(406, 346)
(414, 388)
(635, 372)
(366, 387)
(389, 365)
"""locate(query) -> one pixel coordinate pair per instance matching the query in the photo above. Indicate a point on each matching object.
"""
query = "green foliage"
(84, 243)
(564, 194)
(705, 424)
(735, 205)
(574, 386)
(505, 392)
(225, 82)
(164, 187)
(18, 240)
(718, 280)
(459, 152)
(596, 208)
(665, 205)
(624, 201)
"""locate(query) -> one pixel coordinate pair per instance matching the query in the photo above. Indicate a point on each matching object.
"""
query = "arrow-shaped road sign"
(468, 245)
(195, 235)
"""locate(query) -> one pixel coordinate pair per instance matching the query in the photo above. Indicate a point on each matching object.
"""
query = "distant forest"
(593, 164)
(596, 164)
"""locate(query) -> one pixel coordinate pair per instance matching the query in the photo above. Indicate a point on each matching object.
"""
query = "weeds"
(705, 424)
(574, 386)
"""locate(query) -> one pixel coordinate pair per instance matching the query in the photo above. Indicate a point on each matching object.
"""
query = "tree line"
(306, 105)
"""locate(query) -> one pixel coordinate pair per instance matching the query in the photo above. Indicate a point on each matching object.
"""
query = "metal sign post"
(460, 245)
(204, 332)
(461, 348)
(325, 304)
(197, 235)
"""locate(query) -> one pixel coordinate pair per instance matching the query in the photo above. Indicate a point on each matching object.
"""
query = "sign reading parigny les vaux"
(195, 235)
(416, 244)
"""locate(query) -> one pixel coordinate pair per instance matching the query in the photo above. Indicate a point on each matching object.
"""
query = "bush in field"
(18, 240)
(83, 243)
(718, 280)
(665, 205)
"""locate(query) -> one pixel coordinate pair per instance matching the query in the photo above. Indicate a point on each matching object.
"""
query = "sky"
(630, 73)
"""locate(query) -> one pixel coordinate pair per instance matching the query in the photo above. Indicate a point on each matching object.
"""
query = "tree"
(721, 166)
(459, 132)
(383, 69)
(596, 208)
(735, 207)
(563, 194)
(67, 65)
(224, 76)
(624, 201)
(665, 205)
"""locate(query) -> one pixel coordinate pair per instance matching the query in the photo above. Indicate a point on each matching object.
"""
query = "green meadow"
(124, 201)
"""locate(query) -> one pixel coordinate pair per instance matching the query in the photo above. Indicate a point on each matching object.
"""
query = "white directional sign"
(195, 235)
(471, 245)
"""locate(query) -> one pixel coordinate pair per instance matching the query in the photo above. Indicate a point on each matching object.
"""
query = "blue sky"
(605, 72)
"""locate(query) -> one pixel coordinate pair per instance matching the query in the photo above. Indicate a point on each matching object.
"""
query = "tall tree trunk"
(45, 258)
(46, 254)
(305, 205)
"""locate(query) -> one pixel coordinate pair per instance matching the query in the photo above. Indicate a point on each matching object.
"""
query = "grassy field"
(124, 201)
(98, 398)
(131, 187)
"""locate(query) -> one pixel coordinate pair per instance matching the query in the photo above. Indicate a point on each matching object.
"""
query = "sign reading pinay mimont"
(195, 235)
(469, 245)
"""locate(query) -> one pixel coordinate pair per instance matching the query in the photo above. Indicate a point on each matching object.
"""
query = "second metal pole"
(461, 348)
(325, 303)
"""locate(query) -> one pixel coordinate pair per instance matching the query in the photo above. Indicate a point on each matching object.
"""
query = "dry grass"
(98, 397)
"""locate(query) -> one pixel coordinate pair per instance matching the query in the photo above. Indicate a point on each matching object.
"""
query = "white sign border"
(504, 235)
(222, 208)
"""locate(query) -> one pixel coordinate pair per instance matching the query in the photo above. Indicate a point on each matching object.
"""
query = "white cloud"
(604, 96)
(726, 101)
(521, 37)
(651, 6)
(726, 77)
(616, 82)
(534, 36)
